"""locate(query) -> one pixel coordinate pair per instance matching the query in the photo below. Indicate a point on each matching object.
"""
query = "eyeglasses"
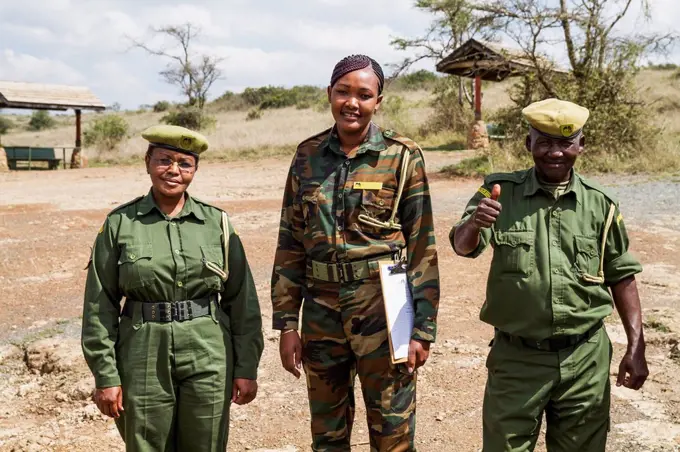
(165, 164)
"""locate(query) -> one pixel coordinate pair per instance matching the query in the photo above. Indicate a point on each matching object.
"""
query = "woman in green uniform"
(188, 338)
(355, 194)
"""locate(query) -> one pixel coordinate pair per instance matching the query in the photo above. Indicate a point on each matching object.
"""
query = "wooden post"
(478, 98)
(76, 158)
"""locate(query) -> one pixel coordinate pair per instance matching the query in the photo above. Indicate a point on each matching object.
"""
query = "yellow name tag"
(367, 185)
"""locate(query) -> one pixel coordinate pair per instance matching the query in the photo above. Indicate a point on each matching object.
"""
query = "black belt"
(554, 344)
(169, 311)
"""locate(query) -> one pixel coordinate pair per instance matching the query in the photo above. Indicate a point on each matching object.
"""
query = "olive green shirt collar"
(532, 185)
(374, 141)
(148, 203)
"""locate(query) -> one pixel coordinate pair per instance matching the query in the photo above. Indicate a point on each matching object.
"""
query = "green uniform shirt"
(142, 254)
(325, 193)
(542, 247)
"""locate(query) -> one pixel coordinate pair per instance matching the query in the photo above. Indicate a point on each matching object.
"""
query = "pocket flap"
(133, 252)
(379, 199)
(212, 253)
(308, 193)
(586, 245)
(515, 238)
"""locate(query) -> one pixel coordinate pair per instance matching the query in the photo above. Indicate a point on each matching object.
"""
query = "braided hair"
(354, 63)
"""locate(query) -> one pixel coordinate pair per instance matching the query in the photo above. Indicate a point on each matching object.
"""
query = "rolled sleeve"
(619, 263)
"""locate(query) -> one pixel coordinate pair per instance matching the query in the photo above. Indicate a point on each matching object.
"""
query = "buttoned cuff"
(102, 382)
(427, 331)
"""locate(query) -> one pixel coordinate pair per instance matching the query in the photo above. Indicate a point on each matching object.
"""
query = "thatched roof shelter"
(489, 61)
(37, 96)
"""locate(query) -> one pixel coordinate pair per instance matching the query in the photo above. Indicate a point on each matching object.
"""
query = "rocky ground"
(48, 221)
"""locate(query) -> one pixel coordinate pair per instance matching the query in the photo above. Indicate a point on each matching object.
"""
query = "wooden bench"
(17, 154)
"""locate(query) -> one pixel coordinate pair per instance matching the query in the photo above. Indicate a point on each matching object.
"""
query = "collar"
(532, 185)
(374, 141)
(148, 203)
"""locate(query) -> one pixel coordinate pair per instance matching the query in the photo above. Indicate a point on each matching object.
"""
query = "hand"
(109, 401)
(488, 209)
(290, 349)
(418, 352)
(635, 365)
(243, 391)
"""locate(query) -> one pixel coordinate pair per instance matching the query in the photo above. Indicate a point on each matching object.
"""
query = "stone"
(54, 355)
(83, 389)
(478, 137)
(10, 352)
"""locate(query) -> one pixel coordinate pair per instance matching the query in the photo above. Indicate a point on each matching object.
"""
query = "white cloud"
(22, 67)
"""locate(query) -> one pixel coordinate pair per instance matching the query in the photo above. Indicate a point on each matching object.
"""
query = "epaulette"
(392, 135)
(313, 137)
(122, 206)
(200, 201)
(597, 187)
(516, 177)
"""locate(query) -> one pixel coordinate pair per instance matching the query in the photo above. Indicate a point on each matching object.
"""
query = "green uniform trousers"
(176, 379)
(344, 333)
(571, 386)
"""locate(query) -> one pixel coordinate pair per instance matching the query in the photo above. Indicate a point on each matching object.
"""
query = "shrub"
(41, 120)
(449, 115)
(253, 114)
(106, 132)
(422, 79)
(190, 117)
(161, 106)
(5, 125)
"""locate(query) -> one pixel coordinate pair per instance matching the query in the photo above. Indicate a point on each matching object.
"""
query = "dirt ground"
(48, 220)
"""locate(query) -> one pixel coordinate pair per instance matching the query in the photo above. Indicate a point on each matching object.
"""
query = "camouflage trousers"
(344, 333)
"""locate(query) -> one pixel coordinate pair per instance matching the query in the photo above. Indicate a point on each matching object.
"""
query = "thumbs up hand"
(488, 209)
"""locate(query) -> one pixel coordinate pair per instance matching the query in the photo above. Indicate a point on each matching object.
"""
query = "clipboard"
(399, 311)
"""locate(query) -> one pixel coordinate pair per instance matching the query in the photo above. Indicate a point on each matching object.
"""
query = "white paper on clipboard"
(398, 309)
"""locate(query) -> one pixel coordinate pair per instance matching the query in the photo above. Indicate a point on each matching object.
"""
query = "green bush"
(106, 132)
(190, 117)
(253, 114)
(279, 97)
(161, 106)
(422, 79)
(41, 120)
(449, 115)
(5, 125)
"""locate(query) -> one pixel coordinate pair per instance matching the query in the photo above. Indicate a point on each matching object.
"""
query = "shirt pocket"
(308, 199)
(514, 252)
(214, 254)
(587, 255)
(135, 266)
(377, 204)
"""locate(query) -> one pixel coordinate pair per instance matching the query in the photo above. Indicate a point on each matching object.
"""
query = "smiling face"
(354, 99)
(554, 157)
(171, 172)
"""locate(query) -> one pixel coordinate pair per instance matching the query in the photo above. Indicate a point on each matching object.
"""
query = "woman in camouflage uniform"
(355, 194)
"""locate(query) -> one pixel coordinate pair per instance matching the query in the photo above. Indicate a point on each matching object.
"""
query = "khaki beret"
(176, 138)
(556, 118)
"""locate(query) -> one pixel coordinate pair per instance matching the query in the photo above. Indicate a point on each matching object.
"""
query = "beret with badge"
(556, 118)
(176, 138)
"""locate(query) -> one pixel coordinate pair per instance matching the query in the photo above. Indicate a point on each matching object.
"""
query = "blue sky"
(263, 42)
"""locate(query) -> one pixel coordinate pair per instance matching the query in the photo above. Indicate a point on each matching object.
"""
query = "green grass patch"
(471, 167)
(657, 325)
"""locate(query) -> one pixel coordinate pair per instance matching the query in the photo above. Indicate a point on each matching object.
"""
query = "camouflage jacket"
(325, 193)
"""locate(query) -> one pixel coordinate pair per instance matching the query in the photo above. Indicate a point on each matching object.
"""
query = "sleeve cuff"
(245, 373)
(620, 268)
(426, 332)
(483, 240)
(106, 382)
(286, 322)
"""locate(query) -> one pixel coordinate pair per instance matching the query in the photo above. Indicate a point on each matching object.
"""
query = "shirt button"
(177, 252)
(339, 228)
(556, 271)
(555, 242)
(555, 213)
(340, 196)
(346, 162)
(556, 300)
(180, 284)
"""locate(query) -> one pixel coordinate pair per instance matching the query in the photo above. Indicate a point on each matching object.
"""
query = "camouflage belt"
(169, 311)
(346, 271)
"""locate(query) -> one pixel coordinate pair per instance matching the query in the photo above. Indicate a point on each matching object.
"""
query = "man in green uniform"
(560, 256)
(188, 339)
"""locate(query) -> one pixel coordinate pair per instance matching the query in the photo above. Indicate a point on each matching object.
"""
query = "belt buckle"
(341, 271)
(164, 312)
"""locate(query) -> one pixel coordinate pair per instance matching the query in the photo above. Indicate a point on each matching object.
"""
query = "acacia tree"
(601, 59)
(193, 74)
